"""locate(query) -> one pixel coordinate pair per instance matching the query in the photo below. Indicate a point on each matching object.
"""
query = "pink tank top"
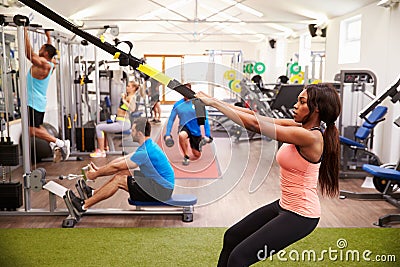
(299, 181)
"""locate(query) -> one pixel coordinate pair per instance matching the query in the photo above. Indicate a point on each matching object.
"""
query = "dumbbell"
(204, 141)
(169, 142)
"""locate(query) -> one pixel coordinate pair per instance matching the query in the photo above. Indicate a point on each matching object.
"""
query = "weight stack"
(9, 155)
(10, 196)
(10, 193)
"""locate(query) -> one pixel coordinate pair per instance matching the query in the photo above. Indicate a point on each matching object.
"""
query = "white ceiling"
(200, 20)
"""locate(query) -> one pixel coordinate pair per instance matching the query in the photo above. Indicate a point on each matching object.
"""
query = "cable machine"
(356, 89)
(10, 192)
(36, 179)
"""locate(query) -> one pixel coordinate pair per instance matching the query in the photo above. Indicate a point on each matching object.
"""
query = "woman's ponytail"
(329, 170)
(325, 98)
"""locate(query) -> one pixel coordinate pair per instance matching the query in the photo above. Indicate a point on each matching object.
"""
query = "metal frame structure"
(107, 47)
(35, 180)
(124, 58)
(356, 89)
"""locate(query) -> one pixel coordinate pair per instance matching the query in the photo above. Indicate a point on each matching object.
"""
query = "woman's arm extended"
(282, 130)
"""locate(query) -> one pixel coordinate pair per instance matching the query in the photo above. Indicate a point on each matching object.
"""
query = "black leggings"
(269, 228)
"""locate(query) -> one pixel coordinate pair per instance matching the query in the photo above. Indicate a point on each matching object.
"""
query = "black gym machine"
(356, 88)
(10, 192)
(36, 180)
(125, 59)
(386, 177)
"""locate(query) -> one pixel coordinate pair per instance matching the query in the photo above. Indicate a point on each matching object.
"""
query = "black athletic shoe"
(83, 188)
(76, 202)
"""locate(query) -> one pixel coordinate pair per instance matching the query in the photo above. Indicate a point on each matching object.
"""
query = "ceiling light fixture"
(85, 13)
(388, 3)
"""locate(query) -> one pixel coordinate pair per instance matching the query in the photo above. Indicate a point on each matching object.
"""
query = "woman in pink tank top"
(309, 157)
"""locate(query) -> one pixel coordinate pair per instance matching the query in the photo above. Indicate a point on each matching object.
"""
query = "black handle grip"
(35, 25)
(2, 20)
(21, 20)
(200, 111)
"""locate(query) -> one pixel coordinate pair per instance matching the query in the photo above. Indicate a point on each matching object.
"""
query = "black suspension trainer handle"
(21, 20)
(132, 61)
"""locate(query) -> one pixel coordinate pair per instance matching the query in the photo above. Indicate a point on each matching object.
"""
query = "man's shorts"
(35, 117)
(194, 140)
(146, 189)
(154, 99)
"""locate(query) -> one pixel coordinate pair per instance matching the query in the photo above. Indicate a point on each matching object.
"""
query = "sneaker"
(98, 154)
(185, 161)
(66, 149)
(57, 154)
(76, 202)
(84, 190)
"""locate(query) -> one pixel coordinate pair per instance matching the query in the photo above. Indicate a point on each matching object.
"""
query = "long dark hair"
(325, 98)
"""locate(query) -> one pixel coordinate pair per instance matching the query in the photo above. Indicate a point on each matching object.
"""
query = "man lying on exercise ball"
(154, 182)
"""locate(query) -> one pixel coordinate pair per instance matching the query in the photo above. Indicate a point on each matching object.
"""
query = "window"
(171, 65)
(305, 50)
(350, 40)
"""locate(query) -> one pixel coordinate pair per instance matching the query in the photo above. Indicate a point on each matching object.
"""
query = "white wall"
(182, 48)
(379, 53)
(380, 38)
(273, 58)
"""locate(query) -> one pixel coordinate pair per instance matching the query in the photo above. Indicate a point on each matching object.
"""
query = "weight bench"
(177, 204)
(355, 151)
(393, 177)
(362, 133)
(110, 141)
(388, 178)
(111, 136)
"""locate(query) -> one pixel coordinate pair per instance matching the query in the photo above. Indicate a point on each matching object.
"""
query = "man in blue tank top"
(154, 182)
(38, 79)
(188, 129)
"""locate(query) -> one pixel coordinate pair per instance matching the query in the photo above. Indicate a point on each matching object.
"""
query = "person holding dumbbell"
(188, 129)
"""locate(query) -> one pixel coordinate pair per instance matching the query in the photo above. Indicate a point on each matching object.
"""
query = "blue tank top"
(37, 90)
